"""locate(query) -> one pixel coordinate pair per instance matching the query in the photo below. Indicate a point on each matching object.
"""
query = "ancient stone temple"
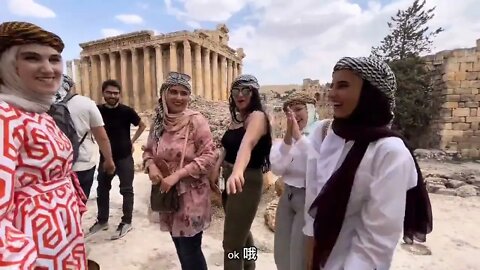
(140, 61)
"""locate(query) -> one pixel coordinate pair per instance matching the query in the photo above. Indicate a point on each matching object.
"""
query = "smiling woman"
(35, 157)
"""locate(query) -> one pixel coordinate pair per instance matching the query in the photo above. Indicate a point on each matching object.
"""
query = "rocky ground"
(453, 244)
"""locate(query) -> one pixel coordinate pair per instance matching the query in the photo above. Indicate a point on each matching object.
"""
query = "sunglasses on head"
(177, 75)
(244, 90)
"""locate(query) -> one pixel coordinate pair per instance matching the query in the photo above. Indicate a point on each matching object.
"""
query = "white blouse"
(289, 162)
(375, 212)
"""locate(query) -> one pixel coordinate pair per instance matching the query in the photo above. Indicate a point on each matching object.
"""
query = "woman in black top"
(244, 159)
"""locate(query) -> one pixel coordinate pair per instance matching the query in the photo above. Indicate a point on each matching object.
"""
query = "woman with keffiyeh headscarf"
(290, 164)
(40, 197)
(364, 186)
(171, 124)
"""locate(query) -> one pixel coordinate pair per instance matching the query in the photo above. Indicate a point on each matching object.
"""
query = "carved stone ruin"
(458, 82)
(141, 60)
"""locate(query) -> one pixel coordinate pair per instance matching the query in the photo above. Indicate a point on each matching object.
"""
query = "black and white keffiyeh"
(246, 80)
(374, 70)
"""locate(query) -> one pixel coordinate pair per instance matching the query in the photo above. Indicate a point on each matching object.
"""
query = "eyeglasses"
(244, 90)
(178, 75)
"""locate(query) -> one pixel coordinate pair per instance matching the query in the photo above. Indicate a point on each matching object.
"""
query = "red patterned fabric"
(40, 196)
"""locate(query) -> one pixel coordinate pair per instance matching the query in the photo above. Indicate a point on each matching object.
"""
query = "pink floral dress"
(195, 212)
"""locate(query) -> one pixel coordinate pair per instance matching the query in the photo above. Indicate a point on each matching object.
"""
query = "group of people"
(352, 186)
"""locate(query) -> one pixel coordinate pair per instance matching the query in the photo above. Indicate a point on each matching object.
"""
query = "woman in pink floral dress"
(165, 144)
(40, 197)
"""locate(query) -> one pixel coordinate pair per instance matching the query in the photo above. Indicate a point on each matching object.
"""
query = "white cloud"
(29, 8)
(111, 32)
(129, 18)
(286, 41)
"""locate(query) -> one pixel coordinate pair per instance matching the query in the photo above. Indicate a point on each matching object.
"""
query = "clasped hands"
(165, 183)
(293, 130)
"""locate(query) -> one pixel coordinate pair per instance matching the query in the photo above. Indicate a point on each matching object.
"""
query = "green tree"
(417, 104)
(409, 34)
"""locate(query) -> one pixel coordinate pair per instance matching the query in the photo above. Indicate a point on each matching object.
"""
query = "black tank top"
(231, 141)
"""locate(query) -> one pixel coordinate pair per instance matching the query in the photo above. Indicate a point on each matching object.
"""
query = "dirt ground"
(454, 242)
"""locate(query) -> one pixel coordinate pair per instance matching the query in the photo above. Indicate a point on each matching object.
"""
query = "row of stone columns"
(141, 71)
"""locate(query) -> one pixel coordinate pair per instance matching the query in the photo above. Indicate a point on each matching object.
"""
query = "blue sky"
(285, 41)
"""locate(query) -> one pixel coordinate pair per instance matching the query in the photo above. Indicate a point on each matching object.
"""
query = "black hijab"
(368, 123)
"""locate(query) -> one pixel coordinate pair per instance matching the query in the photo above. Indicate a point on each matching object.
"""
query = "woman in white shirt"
(289, 163)
(366, 186)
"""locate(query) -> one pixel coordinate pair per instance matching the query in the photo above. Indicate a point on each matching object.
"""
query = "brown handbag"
(167, 202)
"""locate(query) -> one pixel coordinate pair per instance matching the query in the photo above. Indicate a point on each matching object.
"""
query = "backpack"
(61, 115)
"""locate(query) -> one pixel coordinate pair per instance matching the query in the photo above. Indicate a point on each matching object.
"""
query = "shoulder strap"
(68, 97)
(83, 138)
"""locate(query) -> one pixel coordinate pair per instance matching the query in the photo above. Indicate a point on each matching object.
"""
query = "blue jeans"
(189, 251)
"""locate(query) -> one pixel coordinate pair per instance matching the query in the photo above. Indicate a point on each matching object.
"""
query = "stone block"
(473, 75)
(477, 97)
(466, 66)
(474, 139)
(452, 119)
(460, 76)
(475, 125)
(475, 83)
(461, 126)
(468, 133)
(466, 191)
(473, 112)
(450, 105)
(452, 84)
(453, 66)
(471, 119)
(447, 91)
(467, 98)
(461, 112)
(452, 98)
(461, 91)
(451, 133)
(448, 126)
(457, 53)
(461, 105)
(471, 104)
(448, 76)
(476, 66)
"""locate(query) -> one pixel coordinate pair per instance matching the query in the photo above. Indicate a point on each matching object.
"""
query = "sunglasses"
(177, 76)
(244, 90)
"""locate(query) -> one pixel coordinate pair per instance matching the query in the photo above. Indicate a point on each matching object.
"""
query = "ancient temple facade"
(140, 61)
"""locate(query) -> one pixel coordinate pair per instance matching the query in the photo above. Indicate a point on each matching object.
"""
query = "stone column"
(86, 85)
(147, 78)
(96, 86)
(78, 77)
(103, 68)
(240, 68)
(173, 57)
(124, 76)
(229, 73)
(69, 65)
(225, 86)
(235, 71)
(187, 58)
(198, 70)
(215, 76)
(158, 68)
(207, 86)
(135, 80)
(113, 66)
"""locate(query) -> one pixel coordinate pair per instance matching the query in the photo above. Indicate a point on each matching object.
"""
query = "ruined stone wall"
(458, 82)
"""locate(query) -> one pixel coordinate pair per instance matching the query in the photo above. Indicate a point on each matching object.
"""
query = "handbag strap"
(184, 145)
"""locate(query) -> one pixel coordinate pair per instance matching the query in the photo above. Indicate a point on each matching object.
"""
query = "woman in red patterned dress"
(40, 199)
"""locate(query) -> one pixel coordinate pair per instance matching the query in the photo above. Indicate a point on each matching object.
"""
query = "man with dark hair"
(118, 119)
